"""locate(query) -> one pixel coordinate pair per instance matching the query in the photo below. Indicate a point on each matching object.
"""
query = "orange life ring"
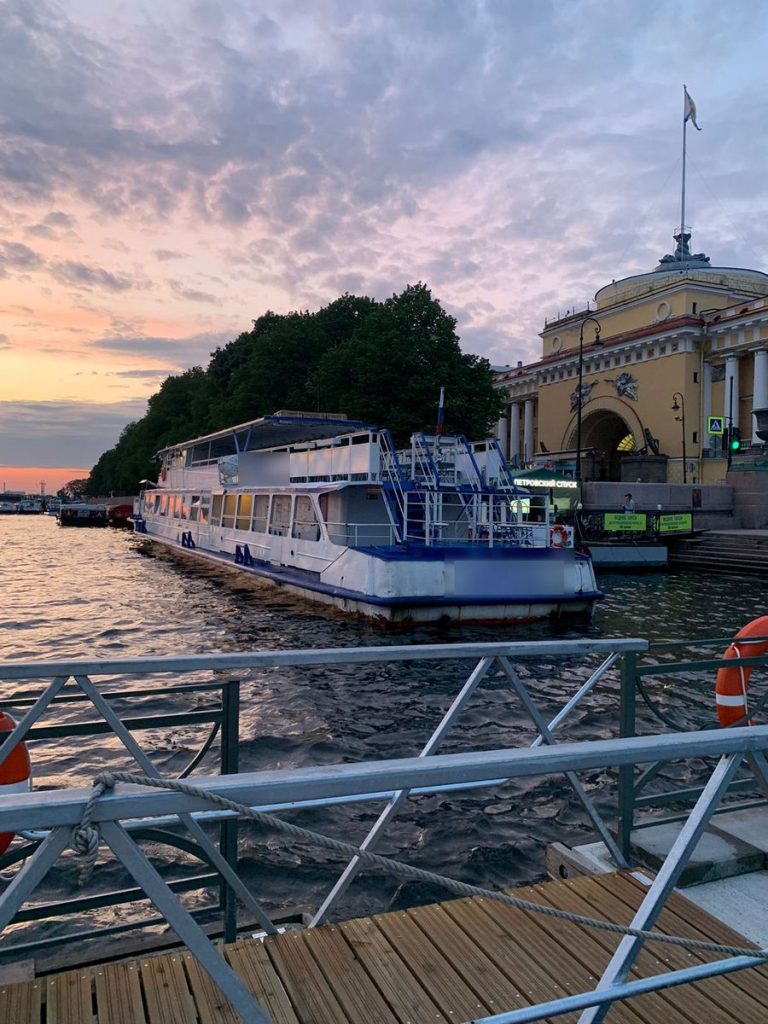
(15, 772)
(731, 683)
(558, 536)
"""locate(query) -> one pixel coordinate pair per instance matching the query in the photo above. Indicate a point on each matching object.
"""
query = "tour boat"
(331, 510)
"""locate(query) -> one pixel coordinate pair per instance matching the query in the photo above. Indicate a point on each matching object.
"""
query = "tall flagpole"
(682, 208)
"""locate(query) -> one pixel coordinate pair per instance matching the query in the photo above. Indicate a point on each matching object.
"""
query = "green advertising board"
(680, 522)
(614, 522)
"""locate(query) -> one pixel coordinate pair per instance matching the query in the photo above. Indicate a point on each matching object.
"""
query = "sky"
(171, 170)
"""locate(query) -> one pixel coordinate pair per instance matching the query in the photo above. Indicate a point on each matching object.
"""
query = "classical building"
(686, 335)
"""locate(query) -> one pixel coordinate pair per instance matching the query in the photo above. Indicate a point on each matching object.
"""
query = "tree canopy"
(381, 362)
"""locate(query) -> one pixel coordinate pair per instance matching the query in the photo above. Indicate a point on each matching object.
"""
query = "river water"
(73, 593)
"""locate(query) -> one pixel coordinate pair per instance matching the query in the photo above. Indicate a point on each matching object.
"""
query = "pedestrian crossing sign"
(715, 425)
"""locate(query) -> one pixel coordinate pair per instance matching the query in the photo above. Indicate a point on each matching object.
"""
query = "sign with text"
(675, 523)
(613, 522)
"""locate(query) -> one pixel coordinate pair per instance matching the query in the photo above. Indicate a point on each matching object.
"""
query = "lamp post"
(597, 343)
(681, 420)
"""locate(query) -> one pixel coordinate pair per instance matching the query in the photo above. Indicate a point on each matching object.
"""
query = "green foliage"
(382, 362)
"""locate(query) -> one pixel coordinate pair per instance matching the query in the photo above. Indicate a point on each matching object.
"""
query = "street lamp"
(597, 343)
(681, 420)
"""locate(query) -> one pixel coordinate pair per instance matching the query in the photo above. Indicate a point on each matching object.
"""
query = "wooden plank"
(20, 1004)
(166, 991)
(68, 998)
(400, 988)
(453, 997)
(719, 992)
(540, 940)
(212, 1005)
(753, 981)
(478, 971)
(510, 957)
(249, 960)
(118, 994)
(347, 977)
(304, 981)
(566, 951)
(667, 1005)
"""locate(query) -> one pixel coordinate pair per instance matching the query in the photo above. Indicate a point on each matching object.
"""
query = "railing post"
(627, 709)
(230, 729)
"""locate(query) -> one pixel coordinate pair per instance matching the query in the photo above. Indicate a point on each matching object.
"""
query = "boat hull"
(516, 604)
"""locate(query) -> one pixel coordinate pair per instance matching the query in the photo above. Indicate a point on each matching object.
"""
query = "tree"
(381, 362)
(73, 491)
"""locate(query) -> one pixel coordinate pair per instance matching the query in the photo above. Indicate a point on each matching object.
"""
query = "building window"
(695, 372)
(693, 307)
(695, 438)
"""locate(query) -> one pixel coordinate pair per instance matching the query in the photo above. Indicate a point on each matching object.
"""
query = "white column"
(731, 391)
(706, 404)
(528, 448)
(502, 432)
(514, 430)
(759, 388)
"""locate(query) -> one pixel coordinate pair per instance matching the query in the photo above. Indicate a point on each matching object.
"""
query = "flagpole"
(682, 208)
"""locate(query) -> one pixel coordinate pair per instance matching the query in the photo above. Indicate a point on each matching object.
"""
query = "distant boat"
(331, 510)
(30, 507)
(120, 514)
(9, 508)
(82, 514)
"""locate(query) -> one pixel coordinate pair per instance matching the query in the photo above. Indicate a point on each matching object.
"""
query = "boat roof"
(279, 429)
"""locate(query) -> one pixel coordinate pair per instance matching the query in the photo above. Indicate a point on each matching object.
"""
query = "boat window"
(164, 505)
(281, 514)
(244, 509)
(218, 500)
(176, 506)
(185, 507)
(203, 512)
(260, 510)
(194, 508)
(305, 524)
(228, 517)
(156, 508)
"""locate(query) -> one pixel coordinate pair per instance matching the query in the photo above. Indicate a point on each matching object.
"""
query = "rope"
(82, 839)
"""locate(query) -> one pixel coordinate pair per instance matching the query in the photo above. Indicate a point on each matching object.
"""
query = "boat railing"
(112, 816)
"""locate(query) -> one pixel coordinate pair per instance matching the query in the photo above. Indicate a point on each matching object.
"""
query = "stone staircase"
(736, 551)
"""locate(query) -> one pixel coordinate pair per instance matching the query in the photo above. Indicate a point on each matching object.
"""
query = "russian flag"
(440, 411)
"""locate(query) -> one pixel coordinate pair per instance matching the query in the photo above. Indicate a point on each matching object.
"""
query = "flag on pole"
(440, 411)
(690, 110)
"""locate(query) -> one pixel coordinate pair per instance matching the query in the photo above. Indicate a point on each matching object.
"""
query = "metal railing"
(123, 817)
(644, 796)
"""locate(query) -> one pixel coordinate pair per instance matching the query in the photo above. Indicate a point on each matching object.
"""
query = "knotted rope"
(85, 843)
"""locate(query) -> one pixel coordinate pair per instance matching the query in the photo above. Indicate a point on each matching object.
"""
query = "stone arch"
(605, 423)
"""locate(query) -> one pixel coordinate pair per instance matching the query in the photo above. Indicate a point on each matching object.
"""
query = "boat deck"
(438, 964)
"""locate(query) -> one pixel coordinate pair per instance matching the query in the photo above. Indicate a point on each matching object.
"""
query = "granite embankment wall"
(712, 504)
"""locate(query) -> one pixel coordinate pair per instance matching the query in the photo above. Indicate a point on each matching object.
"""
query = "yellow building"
(686, 334)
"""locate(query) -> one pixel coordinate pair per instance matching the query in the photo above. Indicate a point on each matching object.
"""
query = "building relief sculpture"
(585, 392)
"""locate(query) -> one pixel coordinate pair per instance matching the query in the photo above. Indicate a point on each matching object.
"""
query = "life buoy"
(731, 683)
(15, 772)
(558, 536)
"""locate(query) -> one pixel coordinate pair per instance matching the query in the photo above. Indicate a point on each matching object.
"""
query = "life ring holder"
(731, 683)
(558, 536)
(663, 311)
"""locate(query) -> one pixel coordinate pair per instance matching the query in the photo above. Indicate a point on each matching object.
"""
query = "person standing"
(628, 505)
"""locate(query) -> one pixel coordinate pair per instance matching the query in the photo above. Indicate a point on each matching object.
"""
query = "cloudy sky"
(169, 170)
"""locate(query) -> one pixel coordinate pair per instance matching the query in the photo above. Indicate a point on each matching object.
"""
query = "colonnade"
(731, 393)
(517, 439)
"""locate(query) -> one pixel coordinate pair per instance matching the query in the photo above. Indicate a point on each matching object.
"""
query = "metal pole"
(681, 419)
(230, 707)
(627, 771)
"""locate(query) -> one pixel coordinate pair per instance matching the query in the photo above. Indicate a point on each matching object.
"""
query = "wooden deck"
(439, 964)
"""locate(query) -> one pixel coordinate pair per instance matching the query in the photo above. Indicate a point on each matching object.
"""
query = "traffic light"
(735, 439)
